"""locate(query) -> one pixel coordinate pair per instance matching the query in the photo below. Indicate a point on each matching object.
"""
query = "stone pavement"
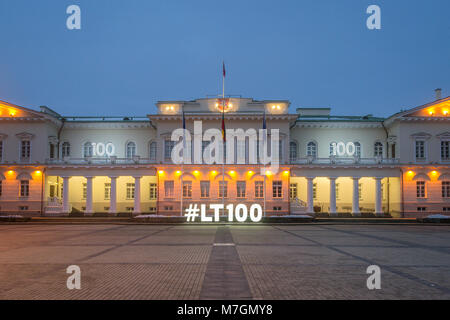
(320, 261)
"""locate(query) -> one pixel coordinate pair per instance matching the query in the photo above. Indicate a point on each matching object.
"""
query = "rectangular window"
(107, 191)
(168, 146)
(25, 149)
(153, 191)
(277, 189)
(223, 189)
(420, 150)
(130, 191)
(276, 208)
(446, 209)
(314, 190)
(168, 189)
(24, 188)
(445, 189)
(421, 209)
(187, 189)
(204, 189)
(445, 150)
(65, 149)
(420, 189)
(293, 191)
(52, 150)
(240, 189)
(84, 191)
(259, 189)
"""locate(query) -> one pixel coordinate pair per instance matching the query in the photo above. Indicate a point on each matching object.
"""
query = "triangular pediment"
(11, 111)
(439, 109)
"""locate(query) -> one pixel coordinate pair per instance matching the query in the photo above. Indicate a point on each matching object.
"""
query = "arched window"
(152, 150)
(130, 150)
(311, 149)
(378, 149)
(88, 150)
(357, 149)
(292, 151)
(65, 149)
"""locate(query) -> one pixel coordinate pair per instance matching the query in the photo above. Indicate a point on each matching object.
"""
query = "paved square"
(317, 261)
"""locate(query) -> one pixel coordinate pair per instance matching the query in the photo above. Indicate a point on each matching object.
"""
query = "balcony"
(101, 161)
(344, 161)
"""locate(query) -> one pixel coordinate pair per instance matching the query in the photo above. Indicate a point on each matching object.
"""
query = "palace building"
(52, 164)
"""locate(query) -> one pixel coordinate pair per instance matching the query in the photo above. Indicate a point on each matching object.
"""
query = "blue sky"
(315, 53)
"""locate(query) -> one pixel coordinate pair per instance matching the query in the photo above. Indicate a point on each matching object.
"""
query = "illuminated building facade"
(55, 165)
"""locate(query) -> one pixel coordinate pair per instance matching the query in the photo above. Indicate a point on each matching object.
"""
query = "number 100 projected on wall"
(342, 149)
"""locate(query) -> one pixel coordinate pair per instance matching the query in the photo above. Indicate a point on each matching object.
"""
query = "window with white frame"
(204, 189)
(187, 189)
(152, 151)
(25, 150)
(168, 188)
(311, 149)
(277, 189)
(445, 150)
(130, 191)
(240, 189)
(420, 150)
(420, 189)
(293, 151)
(88, 150)
(107, 191)
(357, 149)
(293, 190)
(168, 146)
(24, 188)
(65, 152)
(223, 189)
(378, 149)
(259, 189)
(130, 150)
(153, 191)
(445, 189)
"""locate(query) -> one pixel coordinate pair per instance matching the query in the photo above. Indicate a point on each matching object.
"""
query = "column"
(355, 203)
(137, 195)
(378, 198)
(89, 205)
(310, 196)
(332, 196)
(66, 206)
(113, 197)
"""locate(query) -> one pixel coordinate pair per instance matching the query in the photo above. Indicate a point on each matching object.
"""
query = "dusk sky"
(315, 53)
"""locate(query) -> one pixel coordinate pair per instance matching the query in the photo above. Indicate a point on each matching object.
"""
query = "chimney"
(438, 93)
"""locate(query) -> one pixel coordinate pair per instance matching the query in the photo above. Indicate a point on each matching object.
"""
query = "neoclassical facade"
(51, 164)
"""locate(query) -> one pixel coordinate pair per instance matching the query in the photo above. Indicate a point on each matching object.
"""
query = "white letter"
(374, 281)
(73, 21)
(216, 208)
(198, 138)
(74, 281)
(204, 218)
(180, 152)
(374, 21)
(216, 147)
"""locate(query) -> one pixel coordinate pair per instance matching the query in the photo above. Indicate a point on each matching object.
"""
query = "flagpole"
(223, 138)
(182, 162)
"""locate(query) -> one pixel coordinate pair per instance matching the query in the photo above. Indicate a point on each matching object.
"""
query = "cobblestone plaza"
(320, 261)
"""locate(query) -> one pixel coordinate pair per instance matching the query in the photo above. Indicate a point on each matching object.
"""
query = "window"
(204, 189)
(393, 151)
(337, 191)
(378, 149)
(446, 209)
(107, 194)
(311, 149)
(153, 191)
(152, 209)
(277, 189)
(420, 189)
(293, 151)
(445, 150)
(223, 189)
(23, 208)
(130, 150)
(84, 193)
(420, 150)
(187, 189)
(65, 149)
(240, 189)
(293, 193)
(25, 149)
(130, 191)
(52, 150)
(24, 188)
(357, 149)
(360, 190)
(168, 146)
(276, 208)
(314, 190)
(168, 189)
(152, 151)
(445, 189)
(421, 209)
(88, 150)
(259, 189)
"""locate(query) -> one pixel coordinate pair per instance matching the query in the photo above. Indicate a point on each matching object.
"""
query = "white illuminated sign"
(341, 149)
(101, 149)
(240, 212)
